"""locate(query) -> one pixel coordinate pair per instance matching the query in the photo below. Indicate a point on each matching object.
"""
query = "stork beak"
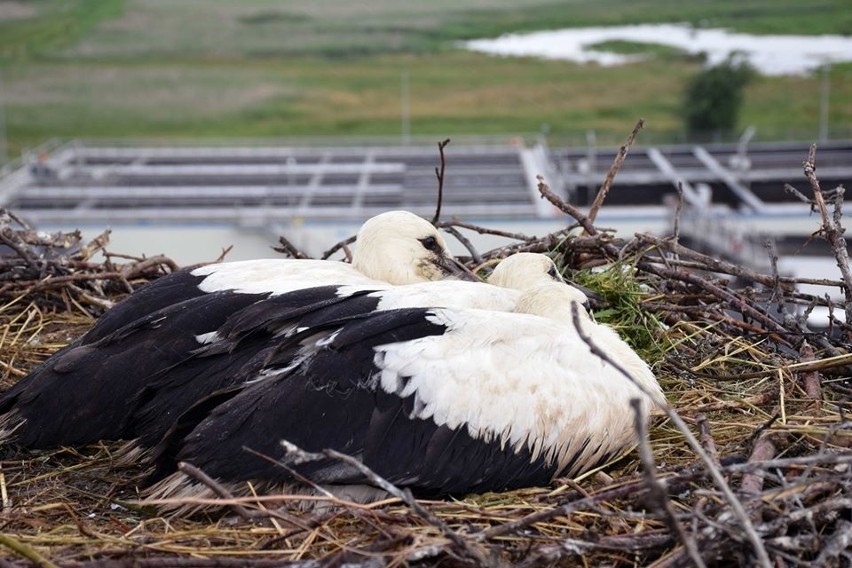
(455, 270)
(595, 299)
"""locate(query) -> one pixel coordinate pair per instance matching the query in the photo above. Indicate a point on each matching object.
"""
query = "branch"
(288, 248)
(655, 488)
(613, 170)
(405, 496)
(341, 245)
(27, 552)
(832, 231)
(440, 176)
(566, 208)
(198, 475)
(474, 254)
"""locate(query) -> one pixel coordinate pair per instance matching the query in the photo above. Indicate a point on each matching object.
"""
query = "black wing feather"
(84, 393)
(331, 401)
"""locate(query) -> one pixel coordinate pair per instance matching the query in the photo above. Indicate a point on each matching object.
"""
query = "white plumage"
(441, 400)
(88, 391)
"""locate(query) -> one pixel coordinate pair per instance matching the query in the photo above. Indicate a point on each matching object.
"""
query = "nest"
(749, 464)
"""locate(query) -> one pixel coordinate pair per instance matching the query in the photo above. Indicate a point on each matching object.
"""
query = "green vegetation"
(655, 50)
(623, 295)
(714, 97)
(217, 68)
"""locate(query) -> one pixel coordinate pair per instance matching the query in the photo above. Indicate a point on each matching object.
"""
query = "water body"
(769, 54)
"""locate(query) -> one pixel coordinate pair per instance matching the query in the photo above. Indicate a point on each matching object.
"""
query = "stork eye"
(431, 243)
(553, 273)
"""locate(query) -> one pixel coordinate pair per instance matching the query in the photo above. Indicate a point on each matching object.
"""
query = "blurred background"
(191, 125)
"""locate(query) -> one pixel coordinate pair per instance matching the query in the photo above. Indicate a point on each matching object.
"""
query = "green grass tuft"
(623, 295)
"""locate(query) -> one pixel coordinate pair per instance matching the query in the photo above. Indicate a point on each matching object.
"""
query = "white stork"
(85, 392)
(444, 401)
(230, 356)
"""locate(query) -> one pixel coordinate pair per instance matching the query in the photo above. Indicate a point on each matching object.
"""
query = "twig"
(633, 488)
(710, 263)
(811, 379)
(840, 542)
(736, 506)
(288, 248)
(678, 210)
(707, 438)
(405, 496)
(764, 449)
(439, 173)
(195, 473)
(133, 270)
(742, 306)
(798, 194)
(613, 170)
(485, 230)
(566, 208)
(337, 247)
(655, 489)
(832, 232)
(11, 239)
(27, 552)
(474, 254)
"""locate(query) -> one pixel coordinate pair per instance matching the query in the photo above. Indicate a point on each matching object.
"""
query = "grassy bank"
(214, 68)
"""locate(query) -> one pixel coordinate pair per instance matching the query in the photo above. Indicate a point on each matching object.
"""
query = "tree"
(713, 97)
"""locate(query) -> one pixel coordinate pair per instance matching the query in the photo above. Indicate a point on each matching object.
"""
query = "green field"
(259, 68)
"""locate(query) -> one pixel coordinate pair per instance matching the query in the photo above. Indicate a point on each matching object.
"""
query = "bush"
(713, 97)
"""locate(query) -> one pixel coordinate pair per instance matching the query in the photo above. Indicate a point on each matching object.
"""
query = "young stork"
(444, 401)
(85, 392)
(274, 326)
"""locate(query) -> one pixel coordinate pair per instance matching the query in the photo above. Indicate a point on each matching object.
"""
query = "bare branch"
(465, 547)
(831, 230)
(655, 489)
(613, 170)
(439, 173)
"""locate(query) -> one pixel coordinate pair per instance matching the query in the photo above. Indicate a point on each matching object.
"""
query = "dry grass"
(771, 413)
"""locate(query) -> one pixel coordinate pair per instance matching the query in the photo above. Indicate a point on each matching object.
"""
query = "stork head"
(526, 271)
(399, 247)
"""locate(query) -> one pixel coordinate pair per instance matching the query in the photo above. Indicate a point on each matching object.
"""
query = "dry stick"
(195, 473)
(655, 488)
(744, 308)
(710, 263)
(707, 438)
(9, 213)
(764, 450)
(27, 552)
(813, 387)
(613, 170)
(832, 231)
(172, 561)
(840, 542)
(137, 268)
(440, 175)
(676, 227)
(636, 488)
(485, 230)
(13, 241)
(736, 506)
(289, 248)
(630, 489)
(337, 247)
(567, 208)
(403, 495)
(474, 254)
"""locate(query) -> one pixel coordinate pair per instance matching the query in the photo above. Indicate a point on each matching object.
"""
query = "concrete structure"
(192, 201)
